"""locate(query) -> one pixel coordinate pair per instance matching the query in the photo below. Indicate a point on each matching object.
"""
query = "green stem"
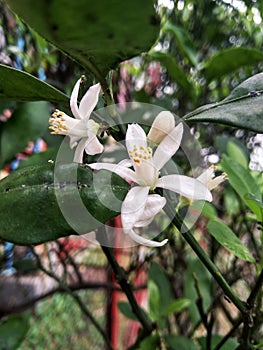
(211, 267)
(126, 287)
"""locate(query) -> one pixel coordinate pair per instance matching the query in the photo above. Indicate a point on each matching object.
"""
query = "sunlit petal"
(133, 206)
(144, 241)
(185, 186)
(89, 101)
(122, 171)
(154, 205)
(168, 147)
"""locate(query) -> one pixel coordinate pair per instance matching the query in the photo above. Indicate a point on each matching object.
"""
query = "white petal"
(133, 206)
(135, 136)
(122, 171)
(126, 163)
(89, 101)
(74, 100)
(161, 126)
(185, 186)
(93, 146)
(168, 147)
(144, 241)
(154, 205)
(78, 156)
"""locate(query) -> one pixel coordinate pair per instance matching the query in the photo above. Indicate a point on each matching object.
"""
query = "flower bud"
(162, 125)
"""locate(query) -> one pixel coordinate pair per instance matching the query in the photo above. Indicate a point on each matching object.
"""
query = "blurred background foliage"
(204, 50)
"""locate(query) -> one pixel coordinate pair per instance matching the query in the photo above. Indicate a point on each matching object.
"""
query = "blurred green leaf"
(29, 209)
(204, 284)
(176, 306)
(29, 122)
(151, 342)
(175, 72)
(230, 344)
(20, 86)
(183, 40)
(12, 331)
(242, 182)
(127, 311)
(95, 33)
(255, 204)
(226, 237)
(154, 300)
(235, 152)
(205, 208)
(227, 61)
(158, 276)
(181, 342)
(243, 108)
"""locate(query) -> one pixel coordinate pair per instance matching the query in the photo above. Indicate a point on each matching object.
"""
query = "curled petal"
(133, 206)
(74, 100)
(185, 186)
(93, 146)
(89, 101)
(168, 147)
(144, 241)
(135, 136)
(78, 156)
(122, 171)
(154, 205)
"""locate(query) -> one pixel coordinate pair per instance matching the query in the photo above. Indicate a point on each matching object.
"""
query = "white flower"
(209, 179)
(139, 207)
(82, 130)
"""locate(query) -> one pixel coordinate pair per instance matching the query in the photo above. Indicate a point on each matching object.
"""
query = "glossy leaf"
(20, 86)
(227, 61)
(29, 122)
(175, 72)
(13, 331)
(95, 33)
(243, 108)
(235, 152)
(226, 237)
(29, 208)
(242, 182)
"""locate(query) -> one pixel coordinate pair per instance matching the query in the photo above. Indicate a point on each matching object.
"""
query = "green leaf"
(205, 208)
(255, 204)
(226, 237)
(235, 152)
(95, 33)
(20, 86)
(181, 342)
(154, 300)
(176, 306)
(242, 182)
(183, 39)
(230, 344)
(175, 72)
(31, 202)
(29, 121)
(151, 342)
(12, 331)
(243, 108)
(158, 276)
(204, 283)
(127, 311)
(227, 61)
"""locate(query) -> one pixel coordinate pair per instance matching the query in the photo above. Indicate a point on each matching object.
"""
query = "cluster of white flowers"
(143, 166)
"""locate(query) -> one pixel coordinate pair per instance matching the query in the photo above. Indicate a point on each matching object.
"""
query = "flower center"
(140, 154)
(58, 125)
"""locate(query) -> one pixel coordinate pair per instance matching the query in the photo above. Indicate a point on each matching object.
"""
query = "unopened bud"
(162, 125)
